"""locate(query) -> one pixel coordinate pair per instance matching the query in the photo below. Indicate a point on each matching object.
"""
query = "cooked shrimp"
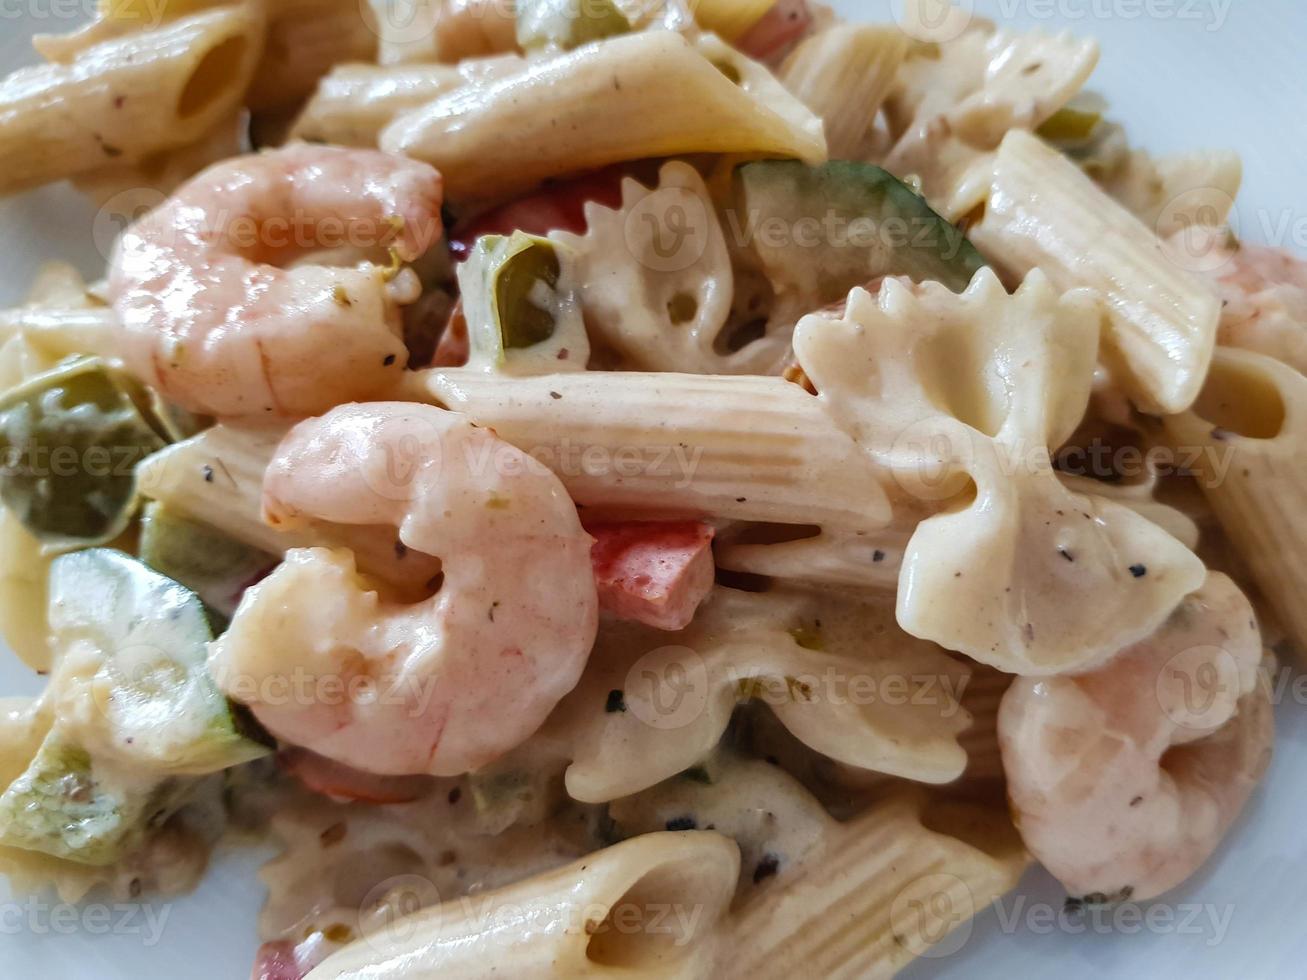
(452, 682)
(1263, 293)
(213, 317)
(1124, 780)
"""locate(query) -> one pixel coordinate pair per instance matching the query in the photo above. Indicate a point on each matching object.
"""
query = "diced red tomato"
(558, 206)
(276, 961)
(785, 23)
(653, 573)
(331, 778)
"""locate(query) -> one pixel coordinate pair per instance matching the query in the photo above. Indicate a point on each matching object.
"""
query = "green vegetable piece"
(136, 714)
(821, 231)
(148, 637)
(567, 24)
(61, 806)
(70, 440)
(215, 567)
(1070, 125)
(519, 307)
(529, 262)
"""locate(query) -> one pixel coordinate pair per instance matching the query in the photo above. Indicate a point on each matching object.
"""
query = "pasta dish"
(662, 488)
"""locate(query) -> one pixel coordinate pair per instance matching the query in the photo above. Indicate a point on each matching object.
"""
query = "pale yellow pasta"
(730, 19)
(740, 448)
(956, 100)
(844, 74)
(656, 281)
(496, 138)
(1043, 213)
(1173, 193)
(961, 398)
(126, 191)
(115, 19)
(312, 887)
(216, 478)
(306, 39)
(1246, 442)
(354, 103)
(838, 673)
(24, 571)
(865, 560)
(594, 918)
(127, 98)
(882, 889)
(984, 693)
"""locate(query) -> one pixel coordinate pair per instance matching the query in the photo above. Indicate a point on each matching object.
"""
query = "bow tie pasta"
(961, 399)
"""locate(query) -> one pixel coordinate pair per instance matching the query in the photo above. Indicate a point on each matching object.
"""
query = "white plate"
(1182, 74)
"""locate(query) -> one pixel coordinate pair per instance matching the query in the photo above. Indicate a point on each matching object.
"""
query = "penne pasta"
(882, 889)
(592, 918)
(354, 103)
(1043, 212)
(24, 569)
(850, 559)
(844, 75)
(127, 98)
(741, 448)
(501, 137)
(1172, 194)
(124, 191)
(306, 39)
(1246, 442)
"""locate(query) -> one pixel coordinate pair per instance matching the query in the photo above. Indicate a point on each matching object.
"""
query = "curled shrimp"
(215, 317)
(1263, 292)
(449, 683)
(1124, 780)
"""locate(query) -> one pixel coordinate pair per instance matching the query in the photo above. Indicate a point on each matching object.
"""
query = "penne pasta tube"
(1044, 213)
(741, 448)
(851, 559)
(127, 98)
(216, 478)
(60, 333)
(1246, 442)
(24, 570)
(306, 39)
(843, 75)
(354, 103)
(882, 889)
(593, 918)
(115, 19)
(984, 693)
(502, 137)
(1174, 193)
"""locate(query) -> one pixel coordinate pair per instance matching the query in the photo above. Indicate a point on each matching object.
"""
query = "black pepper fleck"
(683, 823)
(878, 556)
(1138, 571)
(208, 474)
(766, 868)
(616, 702)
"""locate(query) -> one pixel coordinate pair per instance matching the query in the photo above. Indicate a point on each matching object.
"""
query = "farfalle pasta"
(976, 441)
